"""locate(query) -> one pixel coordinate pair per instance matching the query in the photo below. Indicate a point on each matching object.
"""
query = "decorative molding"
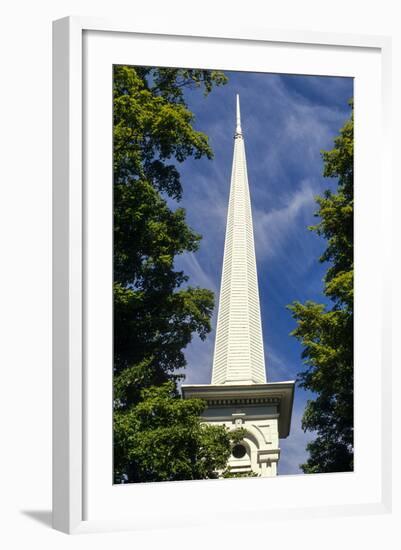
(243, 401)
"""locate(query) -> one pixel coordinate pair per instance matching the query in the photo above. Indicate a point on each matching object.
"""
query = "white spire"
(238, 354)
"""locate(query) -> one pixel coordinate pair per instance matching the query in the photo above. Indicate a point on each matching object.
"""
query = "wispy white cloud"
(276, 365)
(274, 227)
(199, 276)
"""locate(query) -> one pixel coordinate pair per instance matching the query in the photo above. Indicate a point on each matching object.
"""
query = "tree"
(326, 333)
(164, 440)
(157, 436)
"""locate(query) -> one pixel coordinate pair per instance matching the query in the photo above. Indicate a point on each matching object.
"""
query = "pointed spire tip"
(238, 129)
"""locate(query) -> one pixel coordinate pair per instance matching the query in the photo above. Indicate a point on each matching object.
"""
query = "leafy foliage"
(164, 440)
(157, 436)
(327, 333)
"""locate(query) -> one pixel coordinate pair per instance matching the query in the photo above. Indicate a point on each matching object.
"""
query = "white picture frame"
(70, 409)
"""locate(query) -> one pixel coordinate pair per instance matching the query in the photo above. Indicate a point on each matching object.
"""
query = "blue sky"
(286, 121)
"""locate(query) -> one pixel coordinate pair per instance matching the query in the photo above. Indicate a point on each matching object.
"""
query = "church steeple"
(239, 395)
(238, 355)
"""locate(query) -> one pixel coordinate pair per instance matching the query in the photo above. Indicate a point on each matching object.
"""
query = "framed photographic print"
(219, 321)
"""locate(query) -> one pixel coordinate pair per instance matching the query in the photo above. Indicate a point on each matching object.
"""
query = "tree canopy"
(326, 333)
(157, 435)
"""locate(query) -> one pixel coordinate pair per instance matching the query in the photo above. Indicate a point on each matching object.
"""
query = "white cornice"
(280, 394)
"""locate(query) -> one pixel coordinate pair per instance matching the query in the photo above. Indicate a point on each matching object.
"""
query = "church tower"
(239, 394)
